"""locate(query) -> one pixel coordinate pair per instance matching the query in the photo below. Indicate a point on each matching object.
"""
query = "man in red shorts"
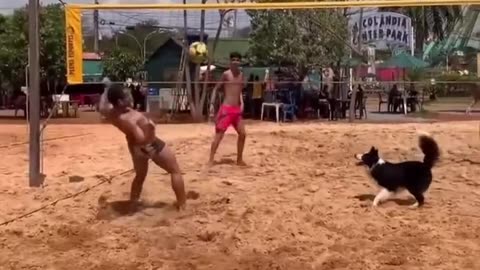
(230, 112)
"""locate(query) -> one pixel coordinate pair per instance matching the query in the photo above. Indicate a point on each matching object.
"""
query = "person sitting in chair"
(393, 99)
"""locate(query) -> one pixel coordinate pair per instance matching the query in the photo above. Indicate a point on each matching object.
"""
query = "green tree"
(52, 42)
(13, 48)
(196, 96)
(3, 21)
(243, 32)
(14, 43)
(133, 38)
(120, 64)
(200, 93)
(434, 21)
(296, 38)
(186, 67)
(144, 32)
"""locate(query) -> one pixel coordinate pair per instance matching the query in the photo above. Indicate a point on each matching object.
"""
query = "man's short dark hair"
(115, 93)
(235, 55)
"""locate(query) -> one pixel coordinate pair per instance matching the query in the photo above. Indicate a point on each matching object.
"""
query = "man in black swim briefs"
(143, 145)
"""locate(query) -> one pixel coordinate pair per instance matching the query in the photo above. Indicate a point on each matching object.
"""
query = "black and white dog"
(414, 176)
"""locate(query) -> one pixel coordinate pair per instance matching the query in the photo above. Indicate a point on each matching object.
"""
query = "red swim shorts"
(228, 115)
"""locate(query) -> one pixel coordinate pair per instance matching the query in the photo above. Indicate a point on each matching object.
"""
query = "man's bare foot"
(210, 163)
(133, 206)
(241, 163)
(180, 205)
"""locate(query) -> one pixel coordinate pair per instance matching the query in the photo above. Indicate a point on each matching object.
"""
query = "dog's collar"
(379, 162)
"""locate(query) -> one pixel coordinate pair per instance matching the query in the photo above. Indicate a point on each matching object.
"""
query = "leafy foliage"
(119, 64)
(416, 75)
(296, 37)
(128, 37)
(14, 43)
(52, 40)
(434, 21)
(13, 48)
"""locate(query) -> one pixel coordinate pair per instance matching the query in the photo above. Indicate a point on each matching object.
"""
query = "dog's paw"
(414, 206)
(423, 133)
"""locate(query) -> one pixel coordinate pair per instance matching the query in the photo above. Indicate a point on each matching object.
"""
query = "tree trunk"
(188, 84)
(351, 117)
(198, 100)
(2, 93)
(55, 85)
(211, 56)
(186, 72)
(421, 30)
(197, 117)
(419, 38)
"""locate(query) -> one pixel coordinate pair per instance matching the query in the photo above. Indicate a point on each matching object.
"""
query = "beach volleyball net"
(291, 41)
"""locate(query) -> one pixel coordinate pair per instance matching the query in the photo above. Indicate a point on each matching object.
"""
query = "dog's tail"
(429, 148)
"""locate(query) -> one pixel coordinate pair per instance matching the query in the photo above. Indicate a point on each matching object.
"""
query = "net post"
(352, 111)
(34, 95)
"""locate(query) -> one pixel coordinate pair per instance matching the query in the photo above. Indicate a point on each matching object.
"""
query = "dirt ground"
(300, 204)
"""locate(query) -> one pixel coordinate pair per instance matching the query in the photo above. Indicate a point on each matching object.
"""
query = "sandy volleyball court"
(301, 203)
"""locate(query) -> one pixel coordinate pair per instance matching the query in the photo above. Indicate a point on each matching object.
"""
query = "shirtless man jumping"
(143, 145)
(230, 112)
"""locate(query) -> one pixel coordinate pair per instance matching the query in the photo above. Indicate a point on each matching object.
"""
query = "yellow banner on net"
(74, 43)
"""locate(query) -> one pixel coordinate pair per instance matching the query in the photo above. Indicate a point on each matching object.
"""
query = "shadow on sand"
(114, 209)
(126, 207)
(225, 161)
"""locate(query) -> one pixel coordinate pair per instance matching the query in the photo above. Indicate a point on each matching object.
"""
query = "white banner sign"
(389, 28)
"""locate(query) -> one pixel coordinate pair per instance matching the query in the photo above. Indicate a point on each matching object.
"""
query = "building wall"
(92, 70)
(163, 66)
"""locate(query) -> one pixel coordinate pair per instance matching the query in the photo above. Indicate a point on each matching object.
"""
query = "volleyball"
(198, 52)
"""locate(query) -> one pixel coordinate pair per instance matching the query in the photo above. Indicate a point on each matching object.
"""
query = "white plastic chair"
(271, 102)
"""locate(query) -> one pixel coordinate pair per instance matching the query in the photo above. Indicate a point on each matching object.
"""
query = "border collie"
(414, 176)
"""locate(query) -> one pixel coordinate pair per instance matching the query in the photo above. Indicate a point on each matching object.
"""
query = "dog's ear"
(373, 149)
